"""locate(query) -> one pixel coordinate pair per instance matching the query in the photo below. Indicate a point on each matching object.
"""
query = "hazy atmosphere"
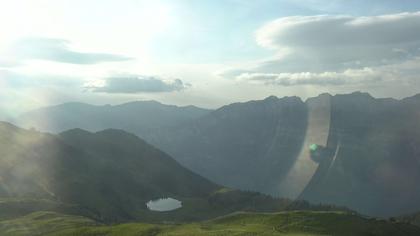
(209, 117)
(204, 53)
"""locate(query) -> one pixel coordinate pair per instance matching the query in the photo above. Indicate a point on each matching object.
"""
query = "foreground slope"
(109, 176)
(283, 223)
(411, 218)
(112, 173)
(43, 223)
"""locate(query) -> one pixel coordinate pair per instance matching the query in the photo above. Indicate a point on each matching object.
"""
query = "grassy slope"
(42, 172)
(413, 219)
(283, 223)
(42, 223)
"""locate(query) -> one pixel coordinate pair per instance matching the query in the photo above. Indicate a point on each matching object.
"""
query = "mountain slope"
(135, 117)
(111, 173)
(370, 147)
(109, 176)
(43, 223)
(376, 166)
(245, 145)
(364, 149)
(411, 218)
(128, 155)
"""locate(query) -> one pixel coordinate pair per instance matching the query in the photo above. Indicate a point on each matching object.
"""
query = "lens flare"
(313, 147)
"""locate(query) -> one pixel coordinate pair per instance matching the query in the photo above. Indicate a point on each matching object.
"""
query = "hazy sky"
(206, 53)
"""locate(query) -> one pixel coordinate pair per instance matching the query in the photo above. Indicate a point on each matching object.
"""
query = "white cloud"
(324, 43)
(350, 76)
(339, 51)
(52, 49)
(135, 84)
(329, 31)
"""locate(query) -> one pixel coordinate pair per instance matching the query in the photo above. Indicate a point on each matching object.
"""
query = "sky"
(203, 53)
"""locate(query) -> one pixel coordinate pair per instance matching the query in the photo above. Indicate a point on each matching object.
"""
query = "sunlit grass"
(283, 223)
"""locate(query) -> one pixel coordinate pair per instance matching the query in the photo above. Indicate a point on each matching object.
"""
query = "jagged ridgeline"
(134, 117)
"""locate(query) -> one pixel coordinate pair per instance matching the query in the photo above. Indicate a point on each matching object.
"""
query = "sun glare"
(156, 17)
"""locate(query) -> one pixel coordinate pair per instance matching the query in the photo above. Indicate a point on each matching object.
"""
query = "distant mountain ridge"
(136, 117)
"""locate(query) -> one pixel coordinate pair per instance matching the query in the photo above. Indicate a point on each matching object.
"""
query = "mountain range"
(351, 150)
(134, 117)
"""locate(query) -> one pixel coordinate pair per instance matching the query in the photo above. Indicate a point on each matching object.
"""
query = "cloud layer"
(52, 49)
(337, 42)
(330, 31)
(136, 84)
(334, 50)
(350, 76)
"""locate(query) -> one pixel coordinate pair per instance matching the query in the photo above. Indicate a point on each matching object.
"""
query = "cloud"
(52, 49)
(400, 74)
(329, 31)
(351, 76)
(323, 42)
(332, 50)
(136, 84)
